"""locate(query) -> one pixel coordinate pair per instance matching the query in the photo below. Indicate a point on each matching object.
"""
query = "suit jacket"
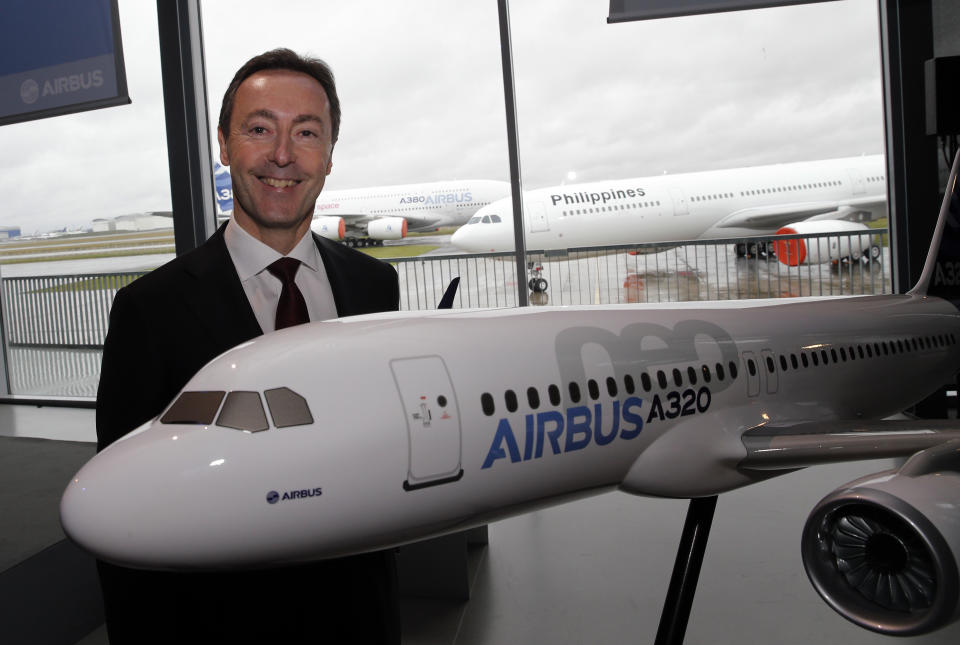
(164, 327)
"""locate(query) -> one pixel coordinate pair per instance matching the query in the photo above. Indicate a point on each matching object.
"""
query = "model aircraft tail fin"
(446, 302)
(941, 272)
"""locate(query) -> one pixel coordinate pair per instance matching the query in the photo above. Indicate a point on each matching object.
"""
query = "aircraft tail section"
(941, 272)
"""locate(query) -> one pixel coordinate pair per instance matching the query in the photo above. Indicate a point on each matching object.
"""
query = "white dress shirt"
(251, 257)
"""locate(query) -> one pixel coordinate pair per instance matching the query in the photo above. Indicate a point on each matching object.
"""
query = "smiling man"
(262, 271)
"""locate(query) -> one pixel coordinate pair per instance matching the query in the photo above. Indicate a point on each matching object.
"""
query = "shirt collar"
(251, 256)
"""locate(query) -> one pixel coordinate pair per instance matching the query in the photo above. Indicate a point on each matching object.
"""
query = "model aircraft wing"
(776, 215)
(810, 444)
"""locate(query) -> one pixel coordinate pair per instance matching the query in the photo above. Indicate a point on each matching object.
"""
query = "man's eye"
(258, 129)
(308, 133)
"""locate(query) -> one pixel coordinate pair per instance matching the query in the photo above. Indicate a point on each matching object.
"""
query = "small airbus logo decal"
(273, 496)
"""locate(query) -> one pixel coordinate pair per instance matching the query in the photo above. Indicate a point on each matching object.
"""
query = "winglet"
(447, 301)
(941, 271)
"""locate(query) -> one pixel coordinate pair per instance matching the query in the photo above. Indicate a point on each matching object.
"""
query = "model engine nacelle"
(882, 551)
(331, 228)
(824, 249)
(387, 228)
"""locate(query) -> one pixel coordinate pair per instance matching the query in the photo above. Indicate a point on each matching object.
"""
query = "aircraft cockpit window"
(495, 219)
(486, 219)
(198, 408)
(473, 220)
(287, 408)
(243, 411)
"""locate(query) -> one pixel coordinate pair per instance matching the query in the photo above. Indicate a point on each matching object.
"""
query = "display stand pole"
(686, 571)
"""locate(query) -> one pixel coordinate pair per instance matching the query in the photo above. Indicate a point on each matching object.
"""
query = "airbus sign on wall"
(59, 56)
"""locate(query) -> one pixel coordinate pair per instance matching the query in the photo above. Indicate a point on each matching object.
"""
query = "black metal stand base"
(686, 571)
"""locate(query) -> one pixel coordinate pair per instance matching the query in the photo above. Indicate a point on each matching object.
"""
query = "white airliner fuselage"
(700, 205)
(416, 207)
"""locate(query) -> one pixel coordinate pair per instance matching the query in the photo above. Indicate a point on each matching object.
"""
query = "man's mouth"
(279, 183)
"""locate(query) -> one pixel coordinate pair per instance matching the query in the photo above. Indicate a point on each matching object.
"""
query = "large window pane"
(421, 93)
(601, 104)
(86, 197)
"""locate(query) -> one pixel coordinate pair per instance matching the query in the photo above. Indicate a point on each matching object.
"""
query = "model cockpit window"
(198, 408)
(243, 411)
(288, 408)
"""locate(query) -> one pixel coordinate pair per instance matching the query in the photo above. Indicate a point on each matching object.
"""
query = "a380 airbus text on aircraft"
(270, 456)
(368, 216)
(713, 204)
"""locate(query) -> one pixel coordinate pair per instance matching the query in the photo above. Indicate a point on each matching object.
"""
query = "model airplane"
(714, 204)
(272, 454)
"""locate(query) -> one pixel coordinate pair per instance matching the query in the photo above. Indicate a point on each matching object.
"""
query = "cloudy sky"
(421, 88)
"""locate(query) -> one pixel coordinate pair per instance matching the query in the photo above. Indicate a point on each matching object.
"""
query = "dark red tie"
(292, 308)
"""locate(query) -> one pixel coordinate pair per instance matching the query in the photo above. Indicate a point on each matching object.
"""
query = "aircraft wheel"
(740, 249)
(875, 252)
(752, 250)
(541, 285)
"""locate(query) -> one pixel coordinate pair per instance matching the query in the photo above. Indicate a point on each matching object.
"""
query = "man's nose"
(283, 152)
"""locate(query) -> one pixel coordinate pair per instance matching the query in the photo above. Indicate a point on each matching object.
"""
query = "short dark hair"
(283, 58)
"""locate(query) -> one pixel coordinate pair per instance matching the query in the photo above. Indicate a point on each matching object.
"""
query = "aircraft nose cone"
(147, 502)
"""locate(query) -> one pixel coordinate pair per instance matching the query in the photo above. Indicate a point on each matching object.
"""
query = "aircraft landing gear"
(536, 282)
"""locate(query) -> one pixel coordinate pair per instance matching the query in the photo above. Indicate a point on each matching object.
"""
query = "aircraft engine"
(882, 550)
(824, 249)
(387, 228)
(331, 228)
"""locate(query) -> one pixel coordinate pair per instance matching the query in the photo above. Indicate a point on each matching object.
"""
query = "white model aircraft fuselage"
(273, 454)
(387, 212)
(701, 205)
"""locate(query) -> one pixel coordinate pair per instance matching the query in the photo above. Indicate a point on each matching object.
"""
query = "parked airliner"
(388, 212)
(271, 456)
(367, 216)
(700, 205)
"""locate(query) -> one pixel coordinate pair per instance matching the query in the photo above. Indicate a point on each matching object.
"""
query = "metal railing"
(72, 311)
(688, 271)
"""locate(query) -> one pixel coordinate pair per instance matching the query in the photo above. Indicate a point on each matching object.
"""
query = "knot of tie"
(291, 308)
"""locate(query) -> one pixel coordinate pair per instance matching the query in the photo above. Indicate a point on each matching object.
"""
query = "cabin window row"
(784, 189)
(860, 351)
(609, 209)
(662, 379)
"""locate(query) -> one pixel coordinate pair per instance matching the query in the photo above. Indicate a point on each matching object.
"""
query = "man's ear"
(330, 161)
(224, 156)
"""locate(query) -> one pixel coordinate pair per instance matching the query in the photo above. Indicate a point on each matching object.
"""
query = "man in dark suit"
(261, 271)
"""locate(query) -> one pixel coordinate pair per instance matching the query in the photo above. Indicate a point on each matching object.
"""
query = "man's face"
(279, 150)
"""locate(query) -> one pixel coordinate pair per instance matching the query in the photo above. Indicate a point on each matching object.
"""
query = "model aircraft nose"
(159, 499)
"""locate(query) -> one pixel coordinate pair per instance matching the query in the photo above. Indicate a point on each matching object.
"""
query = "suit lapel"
(333, 264)
(218, 299)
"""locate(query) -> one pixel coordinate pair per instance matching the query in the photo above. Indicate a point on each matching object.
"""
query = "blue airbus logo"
(305, 493)
(574, 429)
